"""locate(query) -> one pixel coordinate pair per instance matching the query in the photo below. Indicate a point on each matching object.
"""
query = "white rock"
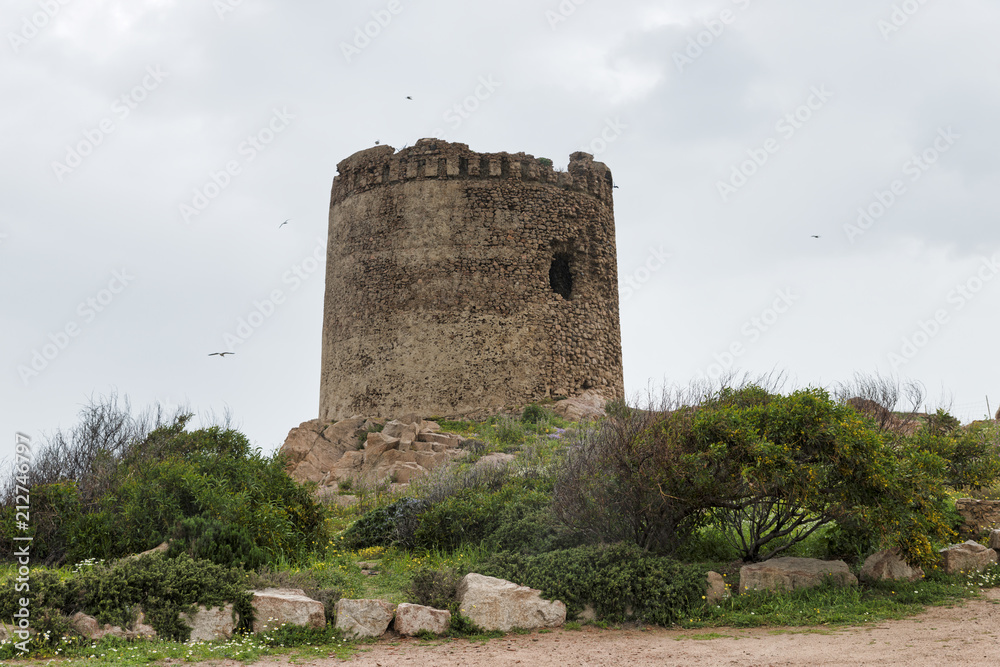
(363, 618)
(412, 619)
(274, 606)
(496, 604)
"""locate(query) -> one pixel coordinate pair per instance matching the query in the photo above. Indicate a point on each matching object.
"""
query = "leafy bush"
(208, 487)
(972, 454)
(620, 581)
(384, 526)
(771, 469)
(435, 588)
(533, 413)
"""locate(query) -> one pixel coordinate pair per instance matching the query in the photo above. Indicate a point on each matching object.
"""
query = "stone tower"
(459, 283)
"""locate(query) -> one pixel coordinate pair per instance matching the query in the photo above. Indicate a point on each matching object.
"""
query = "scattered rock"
(274, 606)
(994, 539)
(494, 460)
(363, 618)
(163, 547)
(967, 557)
(496, 604)
(88, 627)
(588, 405)
(412, 619)
(888, 565)
(787, 574)
(313, 448)
(210, 624)
(717, 589)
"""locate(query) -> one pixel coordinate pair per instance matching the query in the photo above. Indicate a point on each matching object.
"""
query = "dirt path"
(967, 634)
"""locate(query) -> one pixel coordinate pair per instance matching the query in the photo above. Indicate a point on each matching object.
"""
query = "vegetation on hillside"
(623, 516)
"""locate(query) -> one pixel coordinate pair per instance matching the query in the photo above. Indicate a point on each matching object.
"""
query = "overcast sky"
(151, 149)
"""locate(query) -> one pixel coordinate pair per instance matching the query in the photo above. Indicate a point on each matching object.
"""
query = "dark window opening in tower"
(560, 277)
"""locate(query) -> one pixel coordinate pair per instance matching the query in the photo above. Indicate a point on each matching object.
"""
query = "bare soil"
(962, 634)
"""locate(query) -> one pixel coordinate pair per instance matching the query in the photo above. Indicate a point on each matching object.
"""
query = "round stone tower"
(459, 283)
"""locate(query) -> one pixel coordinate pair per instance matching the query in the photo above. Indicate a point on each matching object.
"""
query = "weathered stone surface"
(787, 574)
(163, 547)
(88, 627)
(994, 542)
(967, 557)
(465, 282)
(363, 618)
(977, 515)
(274, 606)
(496, 604)
(717, 588)
(588, 405)
(887, 564)
(313, 448)
(210, 624)
(414, 618)
(406, 432)
(447, 439)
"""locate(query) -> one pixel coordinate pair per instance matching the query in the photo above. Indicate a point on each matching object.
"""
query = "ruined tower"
(458, 283)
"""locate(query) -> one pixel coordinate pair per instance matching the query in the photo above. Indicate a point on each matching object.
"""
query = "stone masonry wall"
(460, 283)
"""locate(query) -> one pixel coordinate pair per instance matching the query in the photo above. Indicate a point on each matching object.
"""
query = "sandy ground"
(966, 634)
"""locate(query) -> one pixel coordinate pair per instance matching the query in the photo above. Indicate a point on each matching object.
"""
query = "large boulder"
(717, 588)
(788, 574)
(968, 556)
(274, 606)
(313, 448)
(586, 406)
(994, 539)
(210, 624)
(496, 604)
(363, 618)
(888, 565)
(412, 619)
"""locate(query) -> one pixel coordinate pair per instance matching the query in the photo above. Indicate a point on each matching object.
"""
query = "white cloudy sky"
(115, 113)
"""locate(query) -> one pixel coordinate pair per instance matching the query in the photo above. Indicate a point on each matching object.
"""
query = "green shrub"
(223, 498)
(222, 543)
(435, 588)
(384, 526)
(472, 516)
(769, 469)
(533, 413)
(613, 579)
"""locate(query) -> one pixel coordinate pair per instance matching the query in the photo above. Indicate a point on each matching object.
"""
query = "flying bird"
(815, 236)
(221, 354)
(408, 97)
(283, 224)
